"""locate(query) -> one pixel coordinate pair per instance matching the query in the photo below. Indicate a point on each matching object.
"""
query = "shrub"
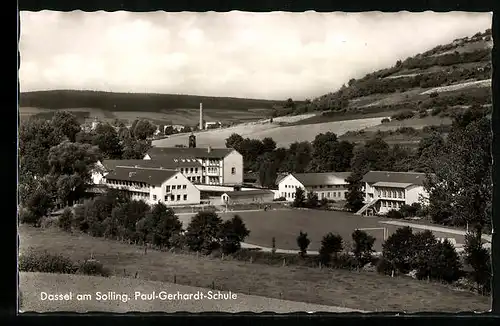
(363, 247)
(437, 110)
(303, 242)
(478, 257)
(330, 244)
(403, 115)
(280, 199)
(312, 200)
(444, 262)
(397, 249)
(26, 216)
(300, 198)
(395, 214)
(65, 220)
(178, 241)
(44, 262)
(92, 267)
(345, 261)
(47, 222)
(203, 231)
(423, 114)
(232, 233)
(385, 120)
(433, 94)
(384, 266)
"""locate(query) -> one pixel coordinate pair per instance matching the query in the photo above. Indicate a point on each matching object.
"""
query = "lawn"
(357, 290)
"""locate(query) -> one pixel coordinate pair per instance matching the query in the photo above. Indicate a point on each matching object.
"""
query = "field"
(285, 226)
(417, 123)
(31, 284)
(362, 290)
(283, 135)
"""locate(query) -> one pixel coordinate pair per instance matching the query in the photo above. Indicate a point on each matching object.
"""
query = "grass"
(357, 290)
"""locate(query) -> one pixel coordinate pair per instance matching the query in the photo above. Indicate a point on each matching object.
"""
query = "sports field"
(285, 226)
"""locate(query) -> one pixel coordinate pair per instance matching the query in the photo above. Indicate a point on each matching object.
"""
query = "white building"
(154, 185)
(385, 191)
(329, 185)
(219, 166)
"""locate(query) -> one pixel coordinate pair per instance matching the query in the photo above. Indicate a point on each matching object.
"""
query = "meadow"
(363, 290)
(282, 135)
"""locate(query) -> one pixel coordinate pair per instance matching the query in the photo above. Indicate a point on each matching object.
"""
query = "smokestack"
(209, 149)
(201, 116)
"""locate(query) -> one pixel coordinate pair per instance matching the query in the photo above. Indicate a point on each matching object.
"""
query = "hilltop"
(447, 77)
(156, 107)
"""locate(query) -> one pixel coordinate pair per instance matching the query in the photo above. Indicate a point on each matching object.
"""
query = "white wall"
(288, 186)
(232, 160)
(414, 194)
(186, 189)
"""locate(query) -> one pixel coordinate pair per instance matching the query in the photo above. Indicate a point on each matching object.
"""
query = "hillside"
(436, 82)
(181, 109)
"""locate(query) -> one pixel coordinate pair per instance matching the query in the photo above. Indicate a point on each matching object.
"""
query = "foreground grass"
(356, 290)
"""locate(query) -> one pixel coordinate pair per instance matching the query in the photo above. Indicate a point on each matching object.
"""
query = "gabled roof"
(244, 193)
(392, 184)
(165, 162)
(196, 152)
(319, 179)
(149, 176)
(414, 178)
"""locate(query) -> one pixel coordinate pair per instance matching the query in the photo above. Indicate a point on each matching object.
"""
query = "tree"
(298, 157)
(135, 149)
(39, 203)
(164, 224)
(143, 129)
(36, 137)
(363, 247)
(312, 200)
(234, 141)
(106, 138)
(203, 231)
(67, 124)
(354, 195)
(300, 198)
(268, 169)
(232, 233)
(444, 261)
(423, 247)
(478, 257)
(268, 144)
(328, 154)
(331, 244)
(398, 251)
(303, 242)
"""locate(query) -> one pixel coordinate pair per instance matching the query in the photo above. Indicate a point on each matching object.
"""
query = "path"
(284, 251)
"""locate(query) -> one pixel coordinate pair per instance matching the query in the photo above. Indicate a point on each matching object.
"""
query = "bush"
(433, 94)
(279, 199)
(65, 220)
(386, 120)
(47, 222)
(437, 110)
(203, 231)
(92, 267)
(330, 244)
(26, 216)
(232, 233)
(394, 214)
(398, 249)
(478, 257)
(44, 262)
(444, 263)
(303, 242)
(178, 241)
(363, 247)
(384, 266)
(403, 115)
(345, 261)
(423, 114)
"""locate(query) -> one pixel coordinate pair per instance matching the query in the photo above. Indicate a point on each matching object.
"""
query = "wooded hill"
(455, 74)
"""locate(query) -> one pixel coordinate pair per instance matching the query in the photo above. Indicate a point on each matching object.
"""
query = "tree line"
(56, 158)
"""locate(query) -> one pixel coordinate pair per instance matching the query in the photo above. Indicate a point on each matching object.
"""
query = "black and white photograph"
(254, 162)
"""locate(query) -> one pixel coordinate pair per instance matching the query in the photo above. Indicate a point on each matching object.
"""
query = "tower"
(192, 141)
(201, 116)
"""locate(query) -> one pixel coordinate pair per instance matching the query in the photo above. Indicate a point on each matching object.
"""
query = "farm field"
(417, 123)
(285, 226)
(283, 135)
(31, 284)
(362, 290)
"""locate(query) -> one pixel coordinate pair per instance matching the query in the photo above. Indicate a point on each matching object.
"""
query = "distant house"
(385, 191)
(247, 197)
(329, 185)
(219, 166)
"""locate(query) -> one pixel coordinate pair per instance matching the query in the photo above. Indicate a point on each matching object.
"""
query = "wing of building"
(329, 185)
(385, 191)
(218, 166)
(154, 185)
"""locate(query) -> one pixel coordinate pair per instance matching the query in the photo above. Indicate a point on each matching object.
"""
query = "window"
(328, 194)
(196, 170)
(233, 170)
(383, 203)
(178, 197)
(178, 186)
(384, 194)
(185, 197)
(184, 186)
(335, 194)
(166, 198)
(167, 188)
(400, 194)
(172, 197)
(154, 197)
(182, 170)
(191, 170)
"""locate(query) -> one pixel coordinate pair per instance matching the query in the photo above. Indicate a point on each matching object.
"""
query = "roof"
(165, 162)
(413, 178)
(149, 176)
(196, 152)
(392, 184)
(318, 179)
(249, 193)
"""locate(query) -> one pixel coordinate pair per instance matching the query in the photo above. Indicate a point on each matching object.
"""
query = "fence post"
(284, 262)
(213, 285)
(319, 265)
(251, 259)
(175, 279)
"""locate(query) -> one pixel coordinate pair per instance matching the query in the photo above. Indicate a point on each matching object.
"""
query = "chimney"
(209, 149)
(201, 116)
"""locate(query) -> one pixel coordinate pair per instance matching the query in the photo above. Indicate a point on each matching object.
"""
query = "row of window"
(334, 194)
(173, 187)
(127, 183)
(391, 193)
(391, 204)
(173, 197)
(194, 179)
(212, 170)
(189, 170)
(328, 187)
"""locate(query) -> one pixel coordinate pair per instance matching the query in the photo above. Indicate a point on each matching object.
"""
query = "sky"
(274, 55)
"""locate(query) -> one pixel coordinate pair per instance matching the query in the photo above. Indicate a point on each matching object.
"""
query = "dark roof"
(181, 152)
(317, 179)
(149, 176)
(255, 192)
(414, 178)
(165, 162)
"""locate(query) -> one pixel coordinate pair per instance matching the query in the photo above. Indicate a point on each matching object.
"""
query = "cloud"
(261, 55)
